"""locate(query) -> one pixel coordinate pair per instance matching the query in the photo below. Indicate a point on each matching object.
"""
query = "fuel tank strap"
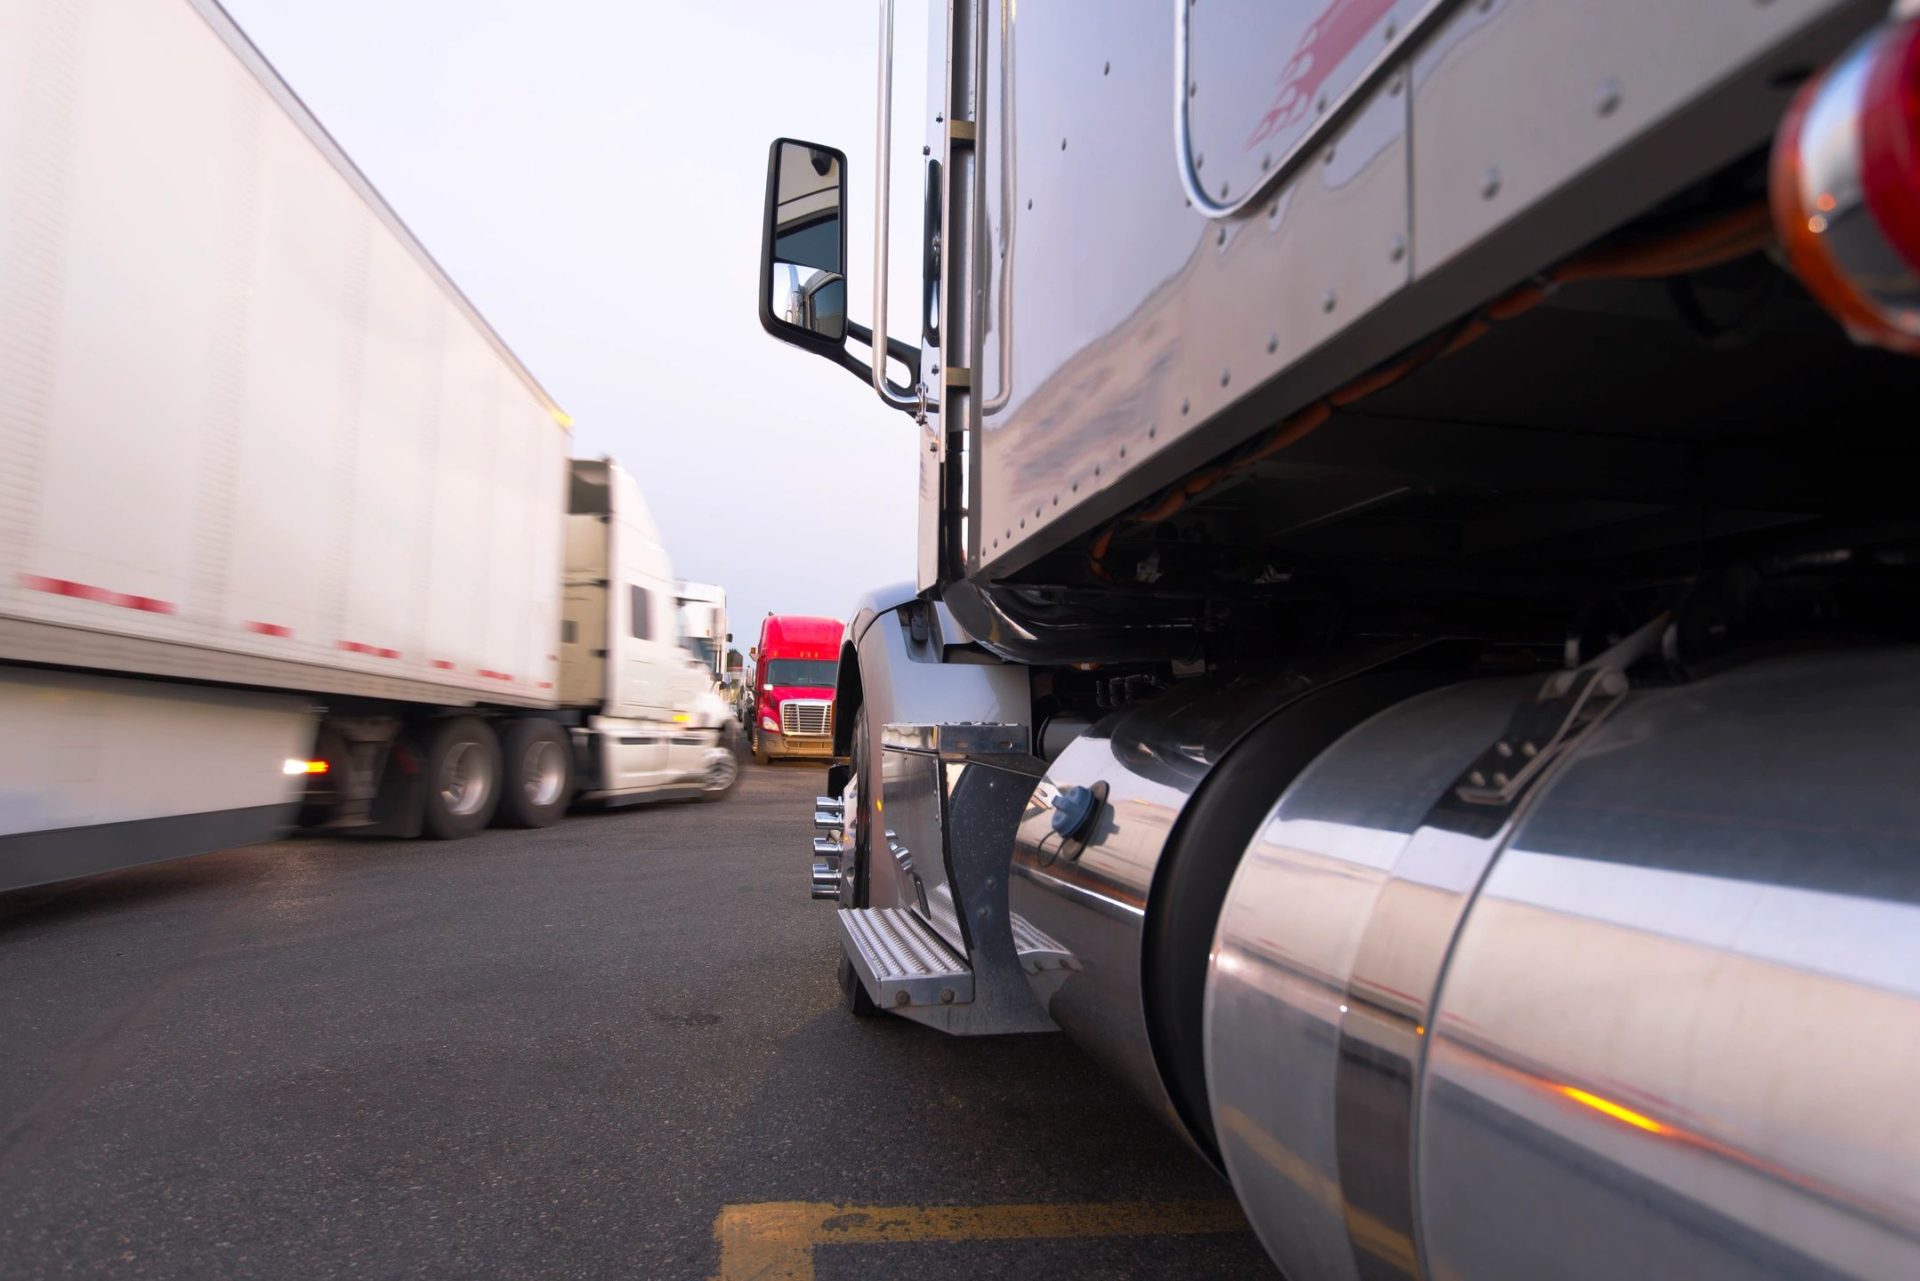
(1402, 954)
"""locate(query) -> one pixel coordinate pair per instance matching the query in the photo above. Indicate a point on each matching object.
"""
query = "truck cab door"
(686, 745)
(645, 659)
(583, 641)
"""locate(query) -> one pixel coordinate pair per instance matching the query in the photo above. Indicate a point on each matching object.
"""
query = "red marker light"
(1845, 188)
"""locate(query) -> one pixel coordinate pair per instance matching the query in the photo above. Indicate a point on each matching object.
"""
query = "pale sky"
(591, 173)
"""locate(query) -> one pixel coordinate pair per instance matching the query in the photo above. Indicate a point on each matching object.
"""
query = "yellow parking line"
(774, 1240)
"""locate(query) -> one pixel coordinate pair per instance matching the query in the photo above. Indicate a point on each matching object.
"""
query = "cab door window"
(640, 614)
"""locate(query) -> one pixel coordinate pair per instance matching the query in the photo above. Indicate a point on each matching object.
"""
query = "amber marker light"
(1607, 1107)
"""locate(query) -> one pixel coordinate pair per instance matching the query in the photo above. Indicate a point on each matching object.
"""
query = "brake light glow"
(304, 767)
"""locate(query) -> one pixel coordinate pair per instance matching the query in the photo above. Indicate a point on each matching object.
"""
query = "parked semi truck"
(795, 664)
(1413, 655)
(285, 529)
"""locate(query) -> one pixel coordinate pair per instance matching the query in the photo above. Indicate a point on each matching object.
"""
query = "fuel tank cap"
(1072, 808)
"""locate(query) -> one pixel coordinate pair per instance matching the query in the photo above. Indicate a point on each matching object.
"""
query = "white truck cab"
(651, 718)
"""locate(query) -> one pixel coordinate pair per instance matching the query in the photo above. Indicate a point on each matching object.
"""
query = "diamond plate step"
(1038, 951)
(901, 960)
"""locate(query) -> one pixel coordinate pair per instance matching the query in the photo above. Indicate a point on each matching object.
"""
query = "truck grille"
(806, 718)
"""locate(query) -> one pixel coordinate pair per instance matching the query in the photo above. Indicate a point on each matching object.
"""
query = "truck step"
(902, 962)
(1038, 951)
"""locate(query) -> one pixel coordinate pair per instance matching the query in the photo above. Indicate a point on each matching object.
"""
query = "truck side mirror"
(803, 247)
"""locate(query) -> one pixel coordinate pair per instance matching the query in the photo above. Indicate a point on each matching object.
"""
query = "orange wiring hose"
(1711, 244)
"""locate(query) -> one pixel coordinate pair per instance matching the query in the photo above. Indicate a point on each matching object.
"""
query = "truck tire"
(463, 778)
(862, 818)
(538, 773)
(760, 756)
(724, 776)
(853, 993)
(321, 801)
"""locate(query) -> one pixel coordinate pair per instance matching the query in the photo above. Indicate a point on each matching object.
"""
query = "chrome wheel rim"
(545, 773)
(463, 779)
(722, 769)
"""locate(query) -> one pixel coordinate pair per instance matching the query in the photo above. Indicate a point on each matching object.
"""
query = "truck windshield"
(801, 671)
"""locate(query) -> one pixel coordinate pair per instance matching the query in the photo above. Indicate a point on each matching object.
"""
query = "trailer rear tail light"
(1846, 188)
(304, 767)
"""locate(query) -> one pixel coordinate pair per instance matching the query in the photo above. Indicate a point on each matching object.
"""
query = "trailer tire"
(462, 778)
(538, 778)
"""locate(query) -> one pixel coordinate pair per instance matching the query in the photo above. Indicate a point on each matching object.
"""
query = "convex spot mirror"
(803, 246)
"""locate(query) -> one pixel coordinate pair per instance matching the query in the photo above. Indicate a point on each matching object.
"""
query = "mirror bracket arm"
(908, 400)
(900, 351)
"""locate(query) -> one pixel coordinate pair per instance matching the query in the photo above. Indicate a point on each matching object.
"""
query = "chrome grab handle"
(882, 189)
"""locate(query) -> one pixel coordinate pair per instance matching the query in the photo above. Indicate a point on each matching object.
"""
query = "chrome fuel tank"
(1131, 900)
(1661, 1018)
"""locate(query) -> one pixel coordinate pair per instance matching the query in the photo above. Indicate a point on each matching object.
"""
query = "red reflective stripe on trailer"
(443, 664)
(98, 595)
(361, 647)
(269, 629)
(544, 685)
(493, 675)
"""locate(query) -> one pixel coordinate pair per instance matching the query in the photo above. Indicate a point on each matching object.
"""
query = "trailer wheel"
(463, 778)
(539, 773)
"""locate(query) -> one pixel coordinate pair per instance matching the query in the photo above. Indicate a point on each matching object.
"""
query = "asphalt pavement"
(612, 1048)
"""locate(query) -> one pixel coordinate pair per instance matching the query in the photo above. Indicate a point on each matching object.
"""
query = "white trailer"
(282, 519)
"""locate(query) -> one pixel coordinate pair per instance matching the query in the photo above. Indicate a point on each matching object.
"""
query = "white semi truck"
(285, 529)
(703, 625)
(1415, 656)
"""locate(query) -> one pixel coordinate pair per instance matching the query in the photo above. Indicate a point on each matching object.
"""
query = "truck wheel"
(760, 756)
(463, 778)
(854, 993)
(539, 773)
(321, 800)
(862, 817)
(723, 769)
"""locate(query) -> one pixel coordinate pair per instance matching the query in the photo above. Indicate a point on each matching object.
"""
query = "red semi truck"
(793, 678)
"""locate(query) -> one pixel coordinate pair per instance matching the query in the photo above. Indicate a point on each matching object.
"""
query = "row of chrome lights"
(829, 817)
